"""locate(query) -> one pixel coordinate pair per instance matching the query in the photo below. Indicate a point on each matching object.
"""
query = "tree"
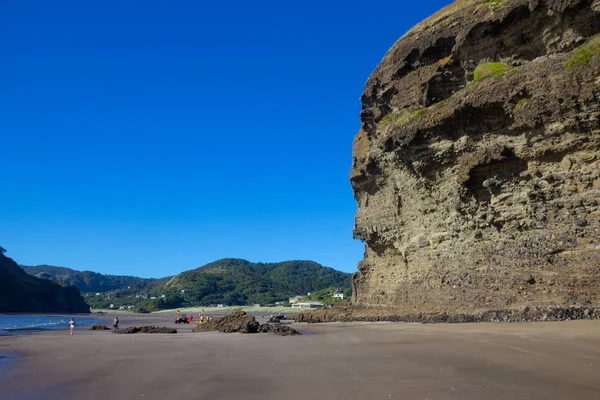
(2, 250)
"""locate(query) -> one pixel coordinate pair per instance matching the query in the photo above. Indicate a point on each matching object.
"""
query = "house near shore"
(307, 304)
(295, 299)
(340, 296)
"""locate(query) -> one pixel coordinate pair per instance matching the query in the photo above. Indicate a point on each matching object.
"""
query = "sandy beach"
(331, 361)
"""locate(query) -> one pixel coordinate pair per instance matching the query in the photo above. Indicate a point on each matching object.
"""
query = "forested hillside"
(227, 281)
(86, 281)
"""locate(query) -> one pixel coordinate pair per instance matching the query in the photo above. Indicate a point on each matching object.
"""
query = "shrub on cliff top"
(584, 53)
(488, 70)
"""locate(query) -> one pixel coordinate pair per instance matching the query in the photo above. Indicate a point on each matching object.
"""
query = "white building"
(307, 304)
(339, 296)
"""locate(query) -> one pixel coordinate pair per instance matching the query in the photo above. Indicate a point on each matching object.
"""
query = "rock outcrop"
(241, 322)
(237, 321)
(278, 329)
(389, 314)
(20, 292)
(476, 170)
(145, 329)
(99, 327)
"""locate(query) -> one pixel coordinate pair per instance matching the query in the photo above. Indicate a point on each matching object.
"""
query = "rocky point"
(476, 170)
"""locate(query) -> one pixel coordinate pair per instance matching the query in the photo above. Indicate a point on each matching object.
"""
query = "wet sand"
(333, 361)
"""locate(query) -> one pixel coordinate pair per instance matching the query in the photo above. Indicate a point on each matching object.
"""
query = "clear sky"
(151, 137)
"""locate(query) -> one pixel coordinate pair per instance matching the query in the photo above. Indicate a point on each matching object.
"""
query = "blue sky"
(151, 137)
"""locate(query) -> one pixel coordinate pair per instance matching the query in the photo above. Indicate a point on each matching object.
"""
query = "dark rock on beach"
(146, 329)
(237, 321)
(278, 329)
(99, 327)
(277, 319)
(240, 322)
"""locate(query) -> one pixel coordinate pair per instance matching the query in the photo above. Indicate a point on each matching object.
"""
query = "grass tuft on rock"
(520, 104)
(393, 120)
(489, 70)
(584, 53)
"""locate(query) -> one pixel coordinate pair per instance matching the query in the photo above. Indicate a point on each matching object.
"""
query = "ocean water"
(11, 324)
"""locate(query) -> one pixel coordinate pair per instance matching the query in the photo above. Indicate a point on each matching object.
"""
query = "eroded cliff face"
(477, 167)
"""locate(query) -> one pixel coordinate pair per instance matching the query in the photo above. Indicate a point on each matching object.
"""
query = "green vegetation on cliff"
(489, 70)
(584, 53)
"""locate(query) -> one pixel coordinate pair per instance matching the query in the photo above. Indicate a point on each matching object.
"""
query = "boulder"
(146, 329)
(236, 322)
(278, 329)
(99, 327)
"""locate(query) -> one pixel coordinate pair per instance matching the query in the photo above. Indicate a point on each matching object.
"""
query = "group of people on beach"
(190, 318)
(115, 326)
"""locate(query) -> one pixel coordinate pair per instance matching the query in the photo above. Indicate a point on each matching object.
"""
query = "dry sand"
(333, 361)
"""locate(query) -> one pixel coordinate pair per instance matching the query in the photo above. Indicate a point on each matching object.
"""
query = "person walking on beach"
(116, 323)
(72, 325)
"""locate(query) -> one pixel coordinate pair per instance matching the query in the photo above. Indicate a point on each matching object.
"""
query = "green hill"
(228, 281)
(20, 292)
(86, 281)
(239, 282)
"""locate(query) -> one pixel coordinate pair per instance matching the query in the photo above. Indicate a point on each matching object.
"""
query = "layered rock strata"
(476, 170)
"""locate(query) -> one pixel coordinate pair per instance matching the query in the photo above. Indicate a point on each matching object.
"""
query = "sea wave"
(17, 323)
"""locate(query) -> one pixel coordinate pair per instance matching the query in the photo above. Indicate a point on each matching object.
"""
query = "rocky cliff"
(476, 170)
(20, 292)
